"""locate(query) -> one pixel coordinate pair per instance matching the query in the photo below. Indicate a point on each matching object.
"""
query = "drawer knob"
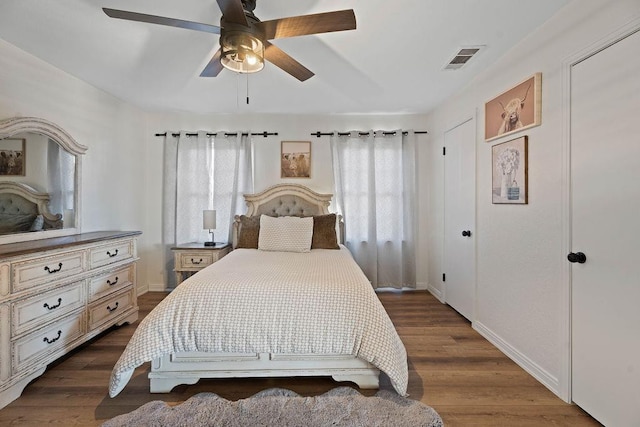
(51, 307)
(55, 270)
(196, 262)
(52, 340)
(110, 283)
(111, 255)
(114, 308)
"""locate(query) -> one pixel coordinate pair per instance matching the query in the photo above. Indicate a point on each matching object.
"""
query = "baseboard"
(422, 286)
(544, 377)
(436, 293)
(157, 287)
(141, 290)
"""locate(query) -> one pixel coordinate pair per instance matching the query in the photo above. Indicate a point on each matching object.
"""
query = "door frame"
(632, 27)
(443, 262)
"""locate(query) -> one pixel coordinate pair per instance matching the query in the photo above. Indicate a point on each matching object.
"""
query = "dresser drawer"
(32, 312)
(38, 271)
(111, 308)
(108, 254)
(48, 340)
(111, 282)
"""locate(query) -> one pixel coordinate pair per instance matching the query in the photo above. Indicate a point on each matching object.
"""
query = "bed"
(268, 313)
(24, 209)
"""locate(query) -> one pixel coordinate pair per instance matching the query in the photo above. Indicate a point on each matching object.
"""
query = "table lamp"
(209, 223)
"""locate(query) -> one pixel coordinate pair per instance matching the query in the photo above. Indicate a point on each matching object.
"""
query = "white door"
(605, 180)
(459, 217)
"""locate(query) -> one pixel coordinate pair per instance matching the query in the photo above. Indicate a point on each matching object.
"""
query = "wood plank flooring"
(451, 368)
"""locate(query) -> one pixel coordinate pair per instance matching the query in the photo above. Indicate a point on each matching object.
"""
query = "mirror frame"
(17, 125)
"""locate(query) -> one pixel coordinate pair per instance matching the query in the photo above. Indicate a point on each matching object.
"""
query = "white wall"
(122, 170)
(521, 304)
(267, 160)
(113, 194)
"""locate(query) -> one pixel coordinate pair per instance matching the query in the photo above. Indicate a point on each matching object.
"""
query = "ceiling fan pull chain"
(247, 88)
(237, 90)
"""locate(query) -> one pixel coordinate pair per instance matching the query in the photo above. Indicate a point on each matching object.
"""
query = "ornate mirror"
(40, 168)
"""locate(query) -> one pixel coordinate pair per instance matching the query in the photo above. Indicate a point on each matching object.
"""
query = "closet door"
(459, 217)
(605, 195)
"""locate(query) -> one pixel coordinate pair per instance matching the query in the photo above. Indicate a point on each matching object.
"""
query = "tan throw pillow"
(324, 232)
(249, 232)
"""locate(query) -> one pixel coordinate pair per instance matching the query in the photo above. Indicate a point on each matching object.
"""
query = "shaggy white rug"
(342, 406)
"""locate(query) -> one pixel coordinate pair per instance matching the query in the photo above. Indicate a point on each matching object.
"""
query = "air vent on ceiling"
(462, 57)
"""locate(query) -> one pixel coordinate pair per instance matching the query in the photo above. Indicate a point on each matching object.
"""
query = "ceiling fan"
(244, 39)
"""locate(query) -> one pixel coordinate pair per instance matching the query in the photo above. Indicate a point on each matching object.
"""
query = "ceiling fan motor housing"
(249, 5)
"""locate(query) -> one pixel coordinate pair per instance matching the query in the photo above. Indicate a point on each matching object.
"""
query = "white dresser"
(57, 293)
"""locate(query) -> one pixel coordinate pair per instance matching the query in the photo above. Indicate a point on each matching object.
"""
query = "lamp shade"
(209, 219)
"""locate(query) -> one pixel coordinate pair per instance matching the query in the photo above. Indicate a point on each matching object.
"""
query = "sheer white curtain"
(61, 168)
(200, 173)
(374, 177)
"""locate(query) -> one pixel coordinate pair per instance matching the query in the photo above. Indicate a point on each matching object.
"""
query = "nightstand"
(192, 257)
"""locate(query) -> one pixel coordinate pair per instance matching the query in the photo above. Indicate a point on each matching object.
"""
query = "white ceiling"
(392, 63)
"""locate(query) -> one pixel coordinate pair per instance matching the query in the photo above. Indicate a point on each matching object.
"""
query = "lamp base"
(209, 243)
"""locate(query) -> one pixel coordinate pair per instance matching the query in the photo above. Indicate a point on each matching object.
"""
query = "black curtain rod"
(319, 134)
(264, 134)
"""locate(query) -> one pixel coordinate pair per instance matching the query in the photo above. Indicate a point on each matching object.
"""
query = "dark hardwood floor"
(451, 368)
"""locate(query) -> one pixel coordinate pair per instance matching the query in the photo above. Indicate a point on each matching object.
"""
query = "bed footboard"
(187, 368)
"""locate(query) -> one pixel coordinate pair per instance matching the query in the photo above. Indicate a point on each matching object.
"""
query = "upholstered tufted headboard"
(20, 205)
(286, 200)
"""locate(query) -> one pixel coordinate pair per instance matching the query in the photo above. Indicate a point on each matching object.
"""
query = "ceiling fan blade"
(161, 20)
(233, 11)
(283, 61)
(327, 22)
(214, 66)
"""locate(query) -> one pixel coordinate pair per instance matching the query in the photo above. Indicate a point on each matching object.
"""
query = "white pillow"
(285, 233)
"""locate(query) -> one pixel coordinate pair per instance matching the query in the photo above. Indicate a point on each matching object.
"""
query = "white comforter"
(254, 301)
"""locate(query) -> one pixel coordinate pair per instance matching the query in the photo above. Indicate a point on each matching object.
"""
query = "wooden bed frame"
(189, 367)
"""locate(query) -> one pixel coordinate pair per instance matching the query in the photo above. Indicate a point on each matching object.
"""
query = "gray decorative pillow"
(249, 232)
(324, 232)
(38, 223)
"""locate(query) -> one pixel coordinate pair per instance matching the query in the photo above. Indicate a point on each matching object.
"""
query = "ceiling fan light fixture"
(242, 52)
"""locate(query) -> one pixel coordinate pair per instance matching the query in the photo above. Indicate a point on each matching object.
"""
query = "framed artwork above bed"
(12, 156)
(295, 159)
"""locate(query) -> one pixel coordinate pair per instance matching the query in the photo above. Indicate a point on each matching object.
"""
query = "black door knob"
(578, 257)
(466, 233)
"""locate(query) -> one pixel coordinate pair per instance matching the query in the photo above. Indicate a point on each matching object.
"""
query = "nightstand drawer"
(32, 312)
(109, 254)
(38, 271)
(47, 340)
(110, 282)
(102, 312)
(195, 259)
